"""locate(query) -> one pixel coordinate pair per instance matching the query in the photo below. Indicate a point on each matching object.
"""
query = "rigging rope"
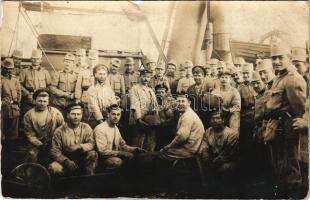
(36, 34)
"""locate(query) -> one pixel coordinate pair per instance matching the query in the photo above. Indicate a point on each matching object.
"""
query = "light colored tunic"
(188, 138)
(100, 97)
(109, 140)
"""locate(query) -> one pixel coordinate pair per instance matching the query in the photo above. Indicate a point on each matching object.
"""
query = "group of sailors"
(88, 117)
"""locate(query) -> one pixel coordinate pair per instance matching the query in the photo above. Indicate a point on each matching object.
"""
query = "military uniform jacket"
(31, 80)
(34, 131)
(247, 95)
(184, 84)
(220, 148)
(10, 90)
(84, 80)
(287, 94)
(155, 80)
(117, 83)
(63, 82)
(130, 80)
(143, 100)
(64, 137)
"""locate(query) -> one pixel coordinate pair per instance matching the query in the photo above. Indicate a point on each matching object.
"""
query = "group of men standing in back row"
(231, 115)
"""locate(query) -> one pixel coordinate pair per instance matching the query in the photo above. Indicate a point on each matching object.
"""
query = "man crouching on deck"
(113, 150)
(73, 145)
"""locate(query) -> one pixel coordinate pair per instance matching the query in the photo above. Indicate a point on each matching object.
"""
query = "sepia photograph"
(154, 99)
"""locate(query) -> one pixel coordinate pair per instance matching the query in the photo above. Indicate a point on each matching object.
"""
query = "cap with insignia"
(69, 56)
(113, 107)
(239, 61)
(172, 62)
(221, 64)
(17, 53)
(226, 71)
(116, 62)
(160, 65)
(256, 77)
(8, 63)
(129, 61)
(278, 47)
(144, 70)
(42, 92)
(188, 63)
(80, 52)
(74, 106)
(93, 54)
(199, 68)
(161, 86)
(299, 54)
(36, 53)
(149, 60)
(266, 64)
(247, 67)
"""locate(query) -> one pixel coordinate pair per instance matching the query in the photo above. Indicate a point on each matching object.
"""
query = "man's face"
(182, 104)
(238, 77)
(80, 60)
(225, 80)
(68, 65)
(216, 120)
(188, 70)
(182, 73)
(161, 93)
(41, 103)
(92, 62)
(266, 75)
(101, 75)
(281, 62)
(220, 69)
(17, 61)
(75, 116)
(198, 77)
(152, 66)
(208, 71)
(145, 78)
(247, 76)
(170, 69)
(258, 86)
(300, 66)
(160, 72)
(115, 116)
(36, 62)
(114, 69)
(214, 72)
(130, 67)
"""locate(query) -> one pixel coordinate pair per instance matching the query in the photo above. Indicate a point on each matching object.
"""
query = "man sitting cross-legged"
(112, 149)
(73, 145)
